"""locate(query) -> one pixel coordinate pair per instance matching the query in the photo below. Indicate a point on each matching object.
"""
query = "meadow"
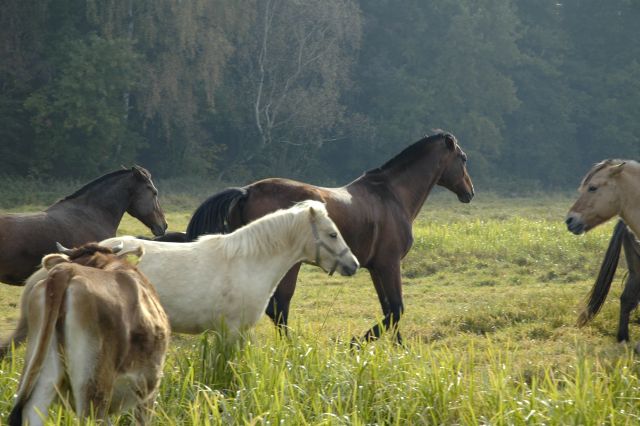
(491, 291)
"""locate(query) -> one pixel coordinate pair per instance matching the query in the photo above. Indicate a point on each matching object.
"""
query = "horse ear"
(51, 260)
(617, 169)
(312, 213)
(132, 255)
(140, 171)
(450, 141)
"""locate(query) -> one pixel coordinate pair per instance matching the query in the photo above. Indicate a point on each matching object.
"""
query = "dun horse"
(92, 213)
(374, 214)
(227, 280)
(611, 188)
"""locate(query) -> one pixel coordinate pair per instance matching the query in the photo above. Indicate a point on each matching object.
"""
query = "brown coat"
(96, 332)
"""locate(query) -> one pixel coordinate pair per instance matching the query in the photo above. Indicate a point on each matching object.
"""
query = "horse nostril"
(569, 221)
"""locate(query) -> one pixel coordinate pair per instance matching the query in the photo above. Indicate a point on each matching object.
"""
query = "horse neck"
(279, 234)
(106, 201)
(629, 186)
(271, 247)
(412, 181)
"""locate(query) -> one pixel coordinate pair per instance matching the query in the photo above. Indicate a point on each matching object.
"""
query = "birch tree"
(292, 73)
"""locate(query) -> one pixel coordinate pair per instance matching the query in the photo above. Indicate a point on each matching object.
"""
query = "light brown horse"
(611, 188)
(374, 214)
(92, 213)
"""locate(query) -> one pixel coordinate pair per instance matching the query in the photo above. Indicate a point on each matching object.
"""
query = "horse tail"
(607, 270)
(55, 288)
(212, 216)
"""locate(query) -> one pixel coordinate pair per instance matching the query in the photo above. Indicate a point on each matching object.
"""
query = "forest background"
(236, 90)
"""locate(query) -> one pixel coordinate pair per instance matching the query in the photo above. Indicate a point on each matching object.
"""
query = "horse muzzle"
(348, 269)
(575, 225)
(466, 197)
(159, 230)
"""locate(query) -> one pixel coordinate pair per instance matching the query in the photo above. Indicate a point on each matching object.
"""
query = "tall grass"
(491, 292)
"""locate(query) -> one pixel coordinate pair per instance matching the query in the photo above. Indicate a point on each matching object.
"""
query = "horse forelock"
(597, 168)
(318, 206)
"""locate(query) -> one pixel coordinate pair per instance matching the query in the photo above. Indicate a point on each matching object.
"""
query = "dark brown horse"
(374, 214)
(92, 213)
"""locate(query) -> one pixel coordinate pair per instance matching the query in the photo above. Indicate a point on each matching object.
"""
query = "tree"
(289, 76)
(439, 65)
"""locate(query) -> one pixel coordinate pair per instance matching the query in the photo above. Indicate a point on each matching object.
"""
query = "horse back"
(370, 219)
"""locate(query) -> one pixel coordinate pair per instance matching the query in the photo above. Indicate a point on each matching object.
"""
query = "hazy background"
(235, 90)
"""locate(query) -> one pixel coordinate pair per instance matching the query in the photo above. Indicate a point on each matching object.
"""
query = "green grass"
(491, 293)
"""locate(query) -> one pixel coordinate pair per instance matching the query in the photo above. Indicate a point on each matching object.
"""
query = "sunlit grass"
(491, 292)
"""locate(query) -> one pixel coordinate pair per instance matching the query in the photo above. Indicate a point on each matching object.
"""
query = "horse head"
(144, 204)
(599, 198)
(327, 249)
(455, 176)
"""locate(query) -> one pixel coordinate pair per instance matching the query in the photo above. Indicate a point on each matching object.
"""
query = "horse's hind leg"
(278, 307)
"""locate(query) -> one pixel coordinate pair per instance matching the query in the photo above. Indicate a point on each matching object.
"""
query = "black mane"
(408, 154)
(84, 189)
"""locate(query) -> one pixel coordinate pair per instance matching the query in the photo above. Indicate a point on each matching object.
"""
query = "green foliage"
(82, 110)
(238, 90)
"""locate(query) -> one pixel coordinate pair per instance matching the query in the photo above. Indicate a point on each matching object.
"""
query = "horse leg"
(388, 284)
(278, 307)
(628, 302)
(631, 293)
(18, 336)
(20, 333)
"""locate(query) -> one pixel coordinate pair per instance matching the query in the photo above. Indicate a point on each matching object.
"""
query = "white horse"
(228, 279)
(611, 188)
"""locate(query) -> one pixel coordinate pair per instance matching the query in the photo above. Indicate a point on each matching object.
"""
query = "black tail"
(212, 216)
(607, 270)
(15, 417)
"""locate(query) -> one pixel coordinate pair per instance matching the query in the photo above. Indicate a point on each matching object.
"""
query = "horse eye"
(333, 235)
(592, 188)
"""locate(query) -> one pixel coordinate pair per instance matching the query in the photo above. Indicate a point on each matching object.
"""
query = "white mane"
(270, 233)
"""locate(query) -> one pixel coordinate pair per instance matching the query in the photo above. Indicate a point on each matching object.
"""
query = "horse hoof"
(355, 344)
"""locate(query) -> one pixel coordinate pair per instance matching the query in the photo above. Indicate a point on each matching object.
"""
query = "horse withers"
(611, 188)
(92, 213)
(374, 213)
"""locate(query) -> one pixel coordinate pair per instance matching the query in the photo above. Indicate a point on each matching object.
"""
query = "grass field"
(491, 294)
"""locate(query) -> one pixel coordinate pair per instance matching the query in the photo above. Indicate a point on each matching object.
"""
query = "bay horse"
(374, 214)
(611, 188)
(224, 282)
(92, 213)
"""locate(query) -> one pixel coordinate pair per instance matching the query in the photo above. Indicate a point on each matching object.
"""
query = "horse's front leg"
(388, 284)
(628, 302)
(278, 307)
